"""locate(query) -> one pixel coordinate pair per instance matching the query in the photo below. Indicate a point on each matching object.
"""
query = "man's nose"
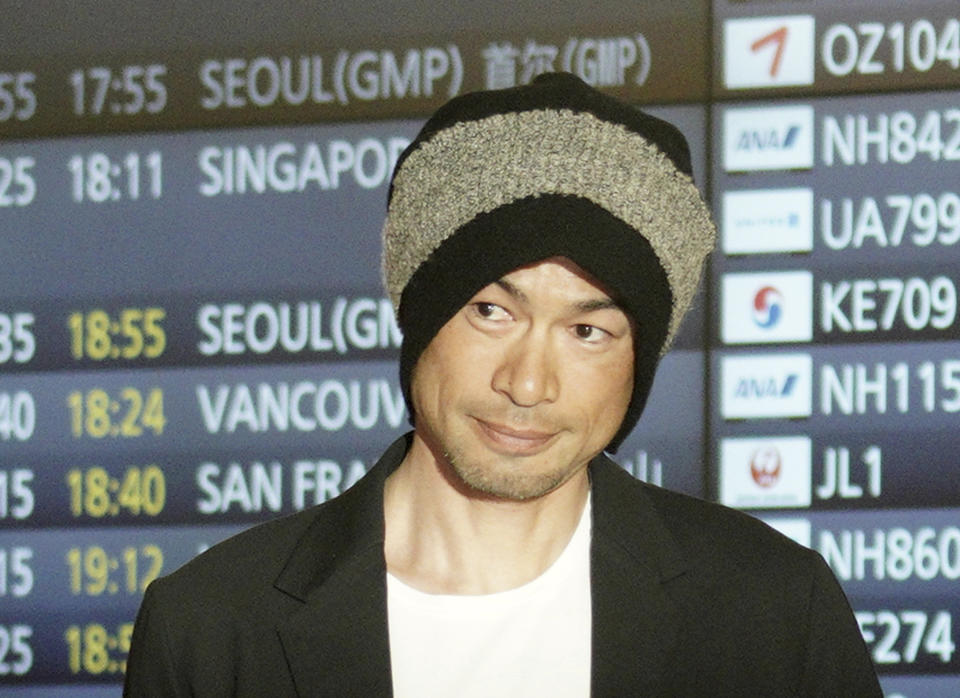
(527, 373)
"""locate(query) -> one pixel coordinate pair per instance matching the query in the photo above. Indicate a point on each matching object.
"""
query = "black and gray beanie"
(500, 179)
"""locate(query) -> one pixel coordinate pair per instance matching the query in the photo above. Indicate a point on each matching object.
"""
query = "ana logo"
(762, 140)
(765, 464)
(768, 138)
(767, 307)
(768, 51)
(760, 388)
(766, 385)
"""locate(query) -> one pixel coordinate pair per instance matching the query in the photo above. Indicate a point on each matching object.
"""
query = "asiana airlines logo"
(768, 51)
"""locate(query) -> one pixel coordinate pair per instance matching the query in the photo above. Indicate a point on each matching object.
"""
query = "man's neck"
(443, 539)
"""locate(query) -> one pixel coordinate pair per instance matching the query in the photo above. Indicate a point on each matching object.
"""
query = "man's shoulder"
(287, 553)
(247, 564)
(705, 534)
(243, 563)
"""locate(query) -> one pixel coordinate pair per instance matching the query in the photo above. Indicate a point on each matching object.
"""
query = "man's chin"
(503, 481)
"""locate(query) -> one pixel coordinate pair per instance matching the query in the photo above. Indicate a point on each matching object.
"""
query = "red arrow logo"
(778, 37)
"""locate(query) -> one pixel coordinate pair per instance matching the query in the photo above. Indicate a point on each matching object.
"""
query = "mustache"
(520, 419)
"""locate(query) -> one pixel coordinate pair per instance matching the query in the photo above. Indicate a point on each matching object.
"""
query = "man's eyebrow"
(597, 304)
(585, 306)
(512, 290)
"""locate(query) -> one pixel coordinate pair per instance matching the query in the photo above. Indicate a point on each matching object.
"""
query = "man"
(542, 245)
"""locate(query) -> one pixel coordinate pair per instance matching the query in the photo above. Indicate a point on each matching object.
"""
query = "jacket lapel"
(633, 559)
(337, 643)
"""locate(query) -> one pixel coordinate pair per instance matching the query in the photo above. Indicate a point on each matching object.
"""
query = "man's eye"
(589, 333)
(490, 311)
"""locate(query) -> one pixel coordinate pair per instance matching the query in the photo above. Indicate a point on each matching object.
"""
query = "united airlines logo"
(758, 221)
(759, 386)
(768, 138)
(765, 472)
(767, 307)
(768, 51)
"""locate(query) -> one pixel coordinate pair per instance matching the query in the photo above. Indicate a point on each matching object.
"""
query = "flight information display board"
(194, 336)
(834, 353)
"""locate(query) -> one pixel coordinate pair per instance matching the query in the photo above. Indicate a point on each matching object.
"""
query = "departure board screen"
(194, 335)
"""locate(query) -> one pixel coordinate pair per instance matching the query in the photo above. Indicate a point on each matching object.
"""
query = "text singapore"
(285, 167)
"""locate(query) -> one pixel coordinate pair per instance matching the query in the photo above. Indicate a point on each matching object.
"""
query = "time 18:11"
(98, 178)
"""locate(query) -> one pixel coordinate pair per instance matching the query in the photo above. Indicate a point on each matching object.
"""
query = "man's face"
(527, 382)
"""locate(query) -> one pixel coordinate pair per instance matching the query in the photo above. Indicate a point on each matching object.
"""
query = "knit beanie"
(500, 179)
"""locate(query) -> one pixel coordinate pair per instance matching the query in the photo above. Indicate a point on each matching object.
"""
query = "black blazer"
(688, 599)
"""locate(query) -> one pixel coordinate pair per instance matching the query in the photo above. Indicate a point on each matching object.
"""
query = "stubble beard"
(503, 480)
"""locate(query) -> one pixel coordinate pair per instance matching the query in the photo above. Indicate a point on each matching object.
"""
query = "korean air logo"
(772, 471)
(767, 307)
(768, 138)
(757, 221)
(761, 386)
(768, 51)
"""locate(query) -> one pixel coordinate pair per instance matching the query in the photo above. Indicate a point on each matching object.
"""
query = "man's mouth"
(514, 440)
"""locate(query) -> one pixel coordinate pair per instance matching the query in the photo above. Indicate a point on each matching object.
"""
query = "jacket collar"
(633, 559)
(339, 637)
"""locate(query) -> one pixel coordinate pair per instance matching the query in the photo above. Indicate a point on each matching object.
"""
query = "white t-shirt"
(530, 641)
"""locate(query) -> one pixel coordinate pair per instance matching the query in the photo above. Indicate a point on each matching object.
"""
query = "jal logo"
(768, 51)
(767, 307)
(765, 472)
(768, 138)
(765, 466)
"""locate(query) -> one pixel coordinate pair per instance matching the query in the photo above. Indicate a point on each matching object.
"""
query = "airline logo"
(767, 307)
(765, 472)
(757, 221)
(768, 51)
(797, 529)
(766, 385)
(768, 138)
